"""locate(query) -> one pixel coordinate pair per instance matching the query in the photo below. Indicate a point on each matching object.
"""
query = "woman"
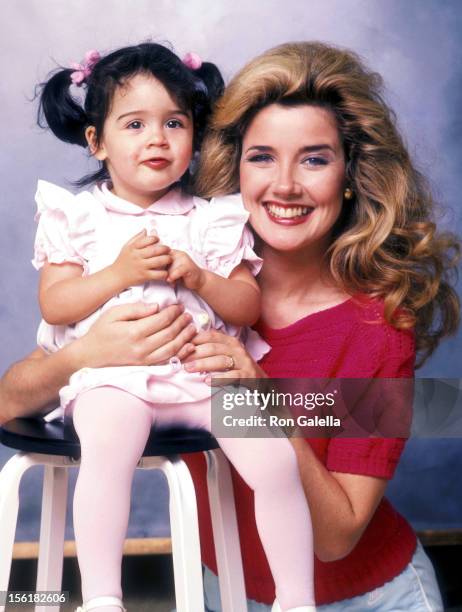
(352, 268)
(352, 265)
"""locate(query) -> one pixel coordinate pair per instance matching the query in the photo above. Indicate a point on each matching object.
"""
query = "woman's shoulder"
(369, 311)
(393, 347)
(356, 339)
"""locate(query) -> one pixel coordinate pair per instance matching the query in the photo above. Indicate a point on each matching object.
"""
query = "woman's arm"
(32, 385)
(130, 334)
(236, 299)
(66, 296)
(341, 504)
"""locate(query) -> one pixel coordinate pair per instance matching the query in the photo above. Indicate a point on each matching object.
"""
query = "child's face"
(146, 142)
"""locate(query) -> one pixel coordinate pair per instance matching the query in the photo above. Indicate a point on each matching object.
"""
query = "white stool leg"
(10, 478)
(52, 526)
(184, 527)
(225, 533)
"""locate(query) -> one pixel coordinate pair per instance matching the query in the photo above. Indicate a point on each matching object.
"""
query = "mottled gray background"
(414, 44)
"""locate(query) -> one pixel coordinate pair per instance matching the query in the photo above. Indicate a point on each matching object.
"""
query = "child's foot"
(104, 604)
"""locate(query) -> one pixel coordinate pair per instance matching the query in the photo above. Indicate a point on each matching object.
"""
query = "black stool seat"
(34, 435)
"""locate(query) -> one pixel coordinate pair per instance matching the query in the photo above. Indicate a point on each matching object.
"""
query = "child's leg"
(269, 467)
(113, 427)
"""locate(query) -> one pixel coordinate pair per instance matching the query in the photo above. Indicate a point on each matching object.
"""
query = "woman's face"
(292, 177)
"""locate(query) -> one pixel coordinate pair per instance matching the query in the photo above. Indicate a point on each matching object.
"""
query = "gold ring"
(230, 365)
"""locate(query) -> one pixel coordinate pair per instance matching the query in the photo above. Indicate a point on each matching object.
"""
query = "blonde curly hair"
(386, 243)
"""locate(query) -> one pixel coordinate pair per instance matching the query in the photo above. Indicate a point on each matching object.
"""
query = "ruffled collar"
(174, 202)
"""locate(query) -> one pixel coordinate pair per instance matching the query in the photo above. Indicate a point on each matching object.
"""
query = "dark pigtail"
(209, 86)
(209, 74)
(60, 111)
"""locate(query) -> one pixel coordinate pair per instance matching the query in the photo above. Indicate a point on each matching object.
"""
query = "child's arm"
(66, 296)
(235, 299)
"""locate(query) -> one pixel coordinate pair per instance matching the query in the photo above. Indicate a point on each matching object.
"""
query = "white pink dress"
(90, 228)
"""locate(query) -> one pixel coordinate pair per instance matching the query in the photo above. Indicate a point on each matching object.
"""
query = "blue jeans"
(414, 590)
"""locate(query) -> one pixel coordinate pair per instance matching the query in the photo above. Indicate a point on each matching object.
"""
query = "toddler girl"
(139, 236)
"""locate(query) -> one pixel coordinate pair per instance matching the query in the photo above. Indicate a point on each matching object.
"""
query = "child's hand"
(142, 259)
(184, 268)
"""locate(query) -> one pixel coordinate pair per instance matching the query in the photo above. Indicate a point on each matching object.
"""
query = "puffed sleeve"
(226, 240)
(65, 231)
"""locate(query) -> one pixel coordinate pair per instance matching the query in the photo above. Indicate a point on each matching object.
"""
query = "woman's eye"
(261, 157)
(315, 160)
(174, 123)
(135, 125)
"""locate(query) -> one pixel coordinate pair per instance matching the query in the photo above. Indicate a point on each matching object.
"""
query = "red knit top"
(350, 340)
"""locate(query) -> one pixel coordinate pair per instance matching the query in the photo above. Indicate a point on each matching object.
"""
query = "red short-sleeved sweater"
(350, 340)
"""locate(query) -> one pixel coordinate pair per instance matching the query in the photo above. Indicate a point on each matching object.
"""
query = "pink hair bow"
(82, 71)
(192, 60)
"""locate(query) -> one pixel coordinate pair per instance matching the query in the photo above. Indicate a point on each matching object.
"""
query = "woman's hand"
(137, 334)
(130, 334)
(222, 354)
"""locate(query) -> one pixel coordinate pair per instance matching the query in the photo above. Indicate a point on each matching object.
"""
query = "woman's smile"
(287, 214)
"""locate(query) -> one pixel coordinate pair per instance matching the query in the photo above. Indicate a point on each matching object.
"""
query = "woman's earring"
(348, 193)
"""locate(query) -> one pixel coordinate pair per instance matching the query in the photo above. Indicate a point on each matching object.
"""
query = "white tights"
(113, 427)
